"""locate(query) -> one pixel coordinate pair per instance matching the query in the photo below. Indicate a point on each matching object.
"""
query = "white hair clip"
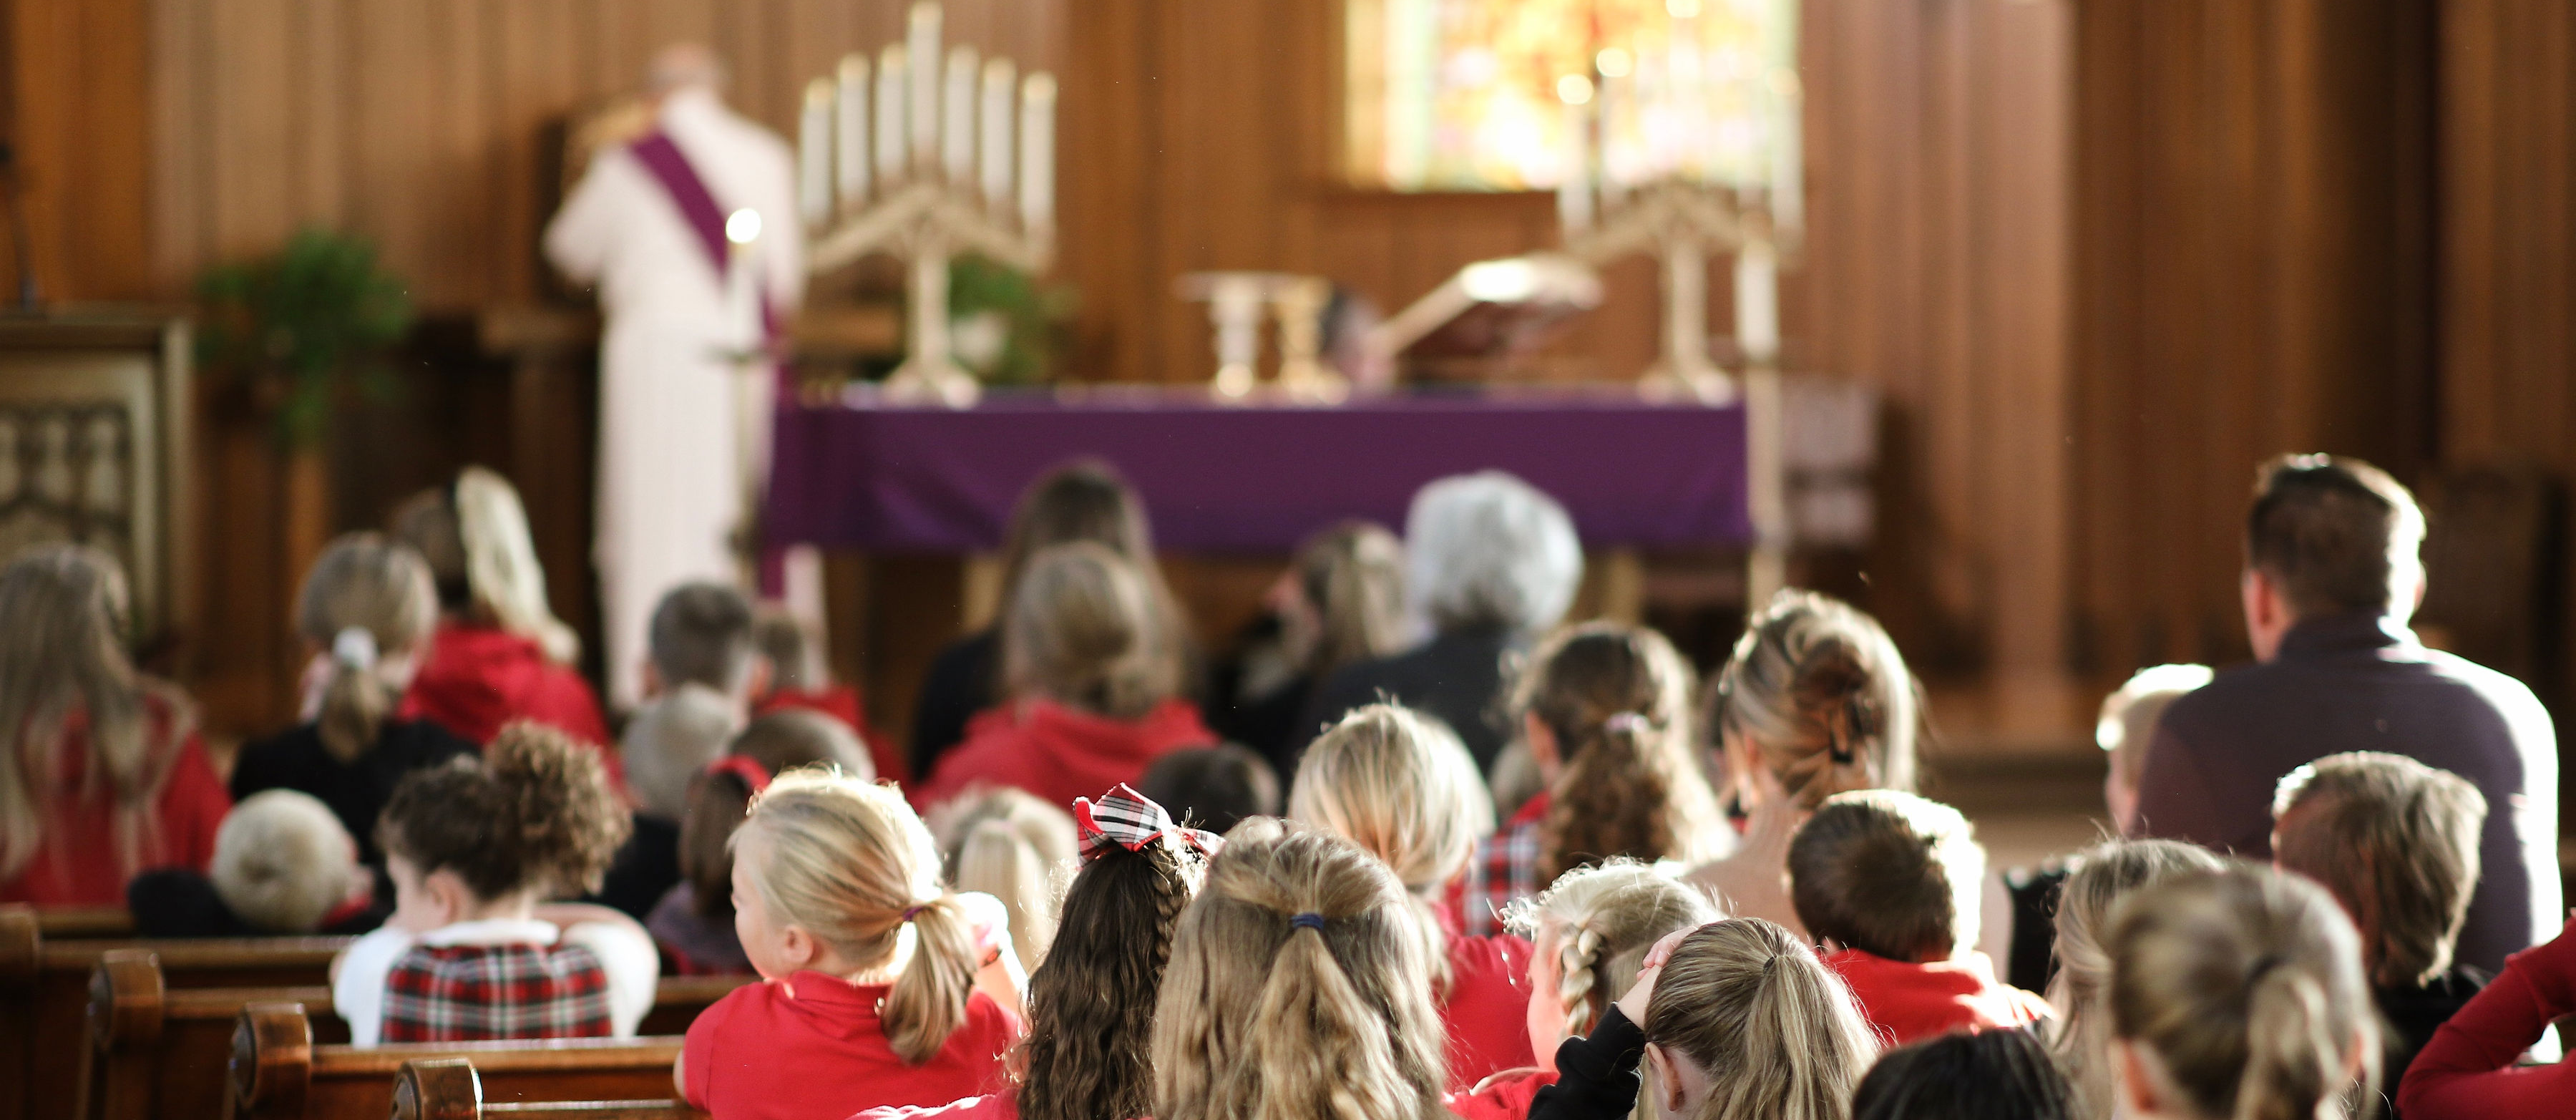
(355, 647)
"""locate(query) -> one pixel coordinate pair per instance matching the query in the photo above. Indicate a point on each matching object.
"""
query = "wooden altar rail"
(450, 1089)
(158, 1053)
(279, 1073)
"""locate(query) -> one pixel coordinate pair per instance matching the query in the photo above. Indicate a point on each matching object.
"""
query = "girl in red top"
(881, 987)
(1605, 710)
(1091, 680)
(104, 775)
(1402, 786)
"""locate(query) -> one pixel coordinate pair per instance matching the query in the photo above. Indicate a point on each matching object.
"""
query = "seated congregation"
(1423, 849)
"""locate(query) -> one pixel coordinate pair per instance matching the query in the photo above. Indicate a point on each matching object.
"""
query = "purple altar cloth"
(1252, 480)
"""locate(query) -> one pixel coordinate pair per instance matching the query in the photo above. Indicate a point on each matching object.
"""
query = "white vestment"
(672, 451)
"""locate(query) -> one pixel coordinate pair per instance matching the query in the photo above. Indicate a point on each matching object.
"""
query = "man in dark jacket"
(2332, 575)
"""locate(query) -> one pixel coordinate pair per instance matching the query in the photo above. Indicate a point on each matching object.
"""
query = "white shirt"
(627, 955)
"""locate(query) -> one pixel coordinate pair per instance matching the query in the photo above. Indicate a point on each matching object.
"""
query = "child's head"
(1988, 1075)
(2100, 878)
(2239, 995)
(795, 658)
(791, 737)
(1591, 931)
(1606, 709)
(701, 634)
(1091, 1003)
(1343, 600)
(837, 875)
(2128, 724)
(1817, 694)
(1214, 788)
(1888, 873)
(62, 650)
(474, 536)
(722, 793)
(1081, 632)
(2396, 841)
(1746, 1024)
(1083, 500)
(1297, 990)
(283, 862)
(369, 605)
(1009, 844)
(1401, 786)
(670, 740)
(489, 837)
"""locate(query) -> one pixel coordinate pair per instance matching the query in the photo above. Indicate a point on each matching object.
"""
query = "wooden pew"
(449, 1089)
(44, 997)
(158, 1054)
(279, 1073)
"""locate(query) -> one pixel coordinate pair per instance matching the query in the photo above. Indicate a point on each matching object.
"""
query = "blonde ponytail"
(1777, 1035)
(2102, 876)
(848, 861)
(1402, 787)
(367, 600)
(2246, 983)
(1295, 990)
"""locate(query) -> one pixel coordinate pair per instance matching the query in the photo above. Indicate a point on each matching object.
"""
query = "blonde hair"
(1081, 632)
(850, 863)
(1617, 698)
(1606, 917)
(2100, 877)
(2128, 720)
(1777, 1035)
(368, 583)
(1006, 843)
(62, 653)
(1263, 1018)
(474, 535)
(1403, 788)
(1353, 575)
(2397, 843)
(1821, 694)
(283, 862)
(2246, 983)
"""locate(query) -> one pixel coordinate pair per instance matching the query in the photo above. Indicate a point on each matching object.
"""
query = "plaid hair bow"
(1129, 820)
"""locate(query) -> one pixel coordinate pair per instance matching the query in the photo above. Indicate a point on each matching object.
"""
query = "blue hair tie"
(1309, 920)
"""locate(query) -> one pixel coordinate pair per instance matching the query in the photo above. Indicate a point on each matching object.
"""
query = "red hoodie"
(1906, 1002)
(1059, 753)
(481, 678)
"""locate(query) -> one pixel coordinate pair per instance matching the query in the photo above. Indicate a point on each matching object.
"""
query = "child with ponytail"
(881, 986)
(1814, 701)
(2239, 995)
(1091, 1004)
(1297, 990)
(1605, 710)
(2103, 875)
(473, 848)
(1402, 786)
(367, 612)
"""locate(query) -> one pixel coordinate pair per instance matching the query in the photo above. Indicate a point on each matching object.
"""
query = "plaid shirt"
(465, 993)
(1504, 870)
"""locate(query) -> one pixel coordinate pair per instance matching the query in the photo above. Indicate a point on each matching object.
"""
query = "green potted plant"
(289, 331)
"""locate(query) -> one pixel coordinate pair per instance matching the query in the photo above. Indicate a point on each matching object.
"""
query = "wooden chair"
(449, 1089)
(279, 1073)
(158, 1054)
(44, 997)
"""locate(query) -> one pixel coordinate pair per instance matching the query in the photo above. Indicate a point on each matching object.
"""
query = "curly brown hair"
(1088, 1055)
(535, 813)
(1617, 699)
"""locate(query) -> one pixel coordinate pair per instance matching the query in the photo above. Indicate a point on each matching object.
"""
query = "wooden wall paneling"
(79, 115)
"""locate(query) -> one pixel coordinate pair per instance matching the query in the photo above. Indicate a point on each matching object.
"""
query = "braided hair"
(1091, 1003)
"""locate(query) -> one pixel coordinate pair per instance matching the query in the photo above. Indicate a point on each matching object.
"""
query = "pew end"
(449, 1089)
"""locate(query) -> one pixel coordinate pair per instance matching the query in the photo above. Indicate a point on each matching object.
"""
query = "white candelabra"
(917, 161)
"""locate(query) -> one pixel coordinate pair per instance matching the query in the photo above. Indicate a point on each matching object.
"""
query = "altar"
(1250, 479)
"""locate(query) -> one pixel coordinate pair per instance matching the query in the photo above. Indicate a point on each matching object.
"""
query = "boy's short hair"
(1214, 788)
(2128, 719)
(672, 738)
(2396, 841)
(2333, 533)
(1888, 873)
(283, 861)
(701, 634)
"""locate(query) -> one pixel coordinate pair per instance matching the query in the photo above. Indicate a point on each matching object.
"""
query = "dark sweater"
(962, 680)
(1457, 676)
(1596, 1074)
(2358, 682)
(2413, 1014)
(356, 790)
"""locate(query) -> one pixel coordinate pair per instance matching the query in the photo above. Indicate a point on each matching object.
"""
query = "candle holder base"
(1703, 384)
(945, 383)
(1307, 381)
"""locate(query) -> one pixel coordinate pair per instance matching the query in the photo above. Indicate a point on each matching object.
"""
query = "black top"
(645, 868)
(356, 791)
(177, 902)
(2413, 1014)
(962, 680)
(2358, 682)
(1457, 676)
(2032, 960)
(1596, 1075)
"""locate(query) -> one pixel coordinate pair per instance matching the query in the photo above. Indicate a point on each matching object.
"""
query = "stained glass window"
(1492, 94)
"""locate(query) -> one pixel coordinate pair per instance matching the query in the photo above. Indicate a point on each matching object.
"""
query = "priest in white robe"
(691, 233)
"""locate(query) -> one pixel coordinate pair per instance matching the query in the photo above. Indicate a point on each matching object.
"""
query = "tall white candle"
(890, 116)
(924, 51)
(850, 184)
(1788, 156)
(1757, 303)
(1606, 104)
(814, 154)
(1000, 78)
(1574, 191)
(1037, 152)
(957, 128)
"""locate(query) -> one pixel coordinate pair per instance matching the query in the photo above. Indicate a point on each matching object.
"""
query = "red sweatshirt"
(479, 679)
(1487, 1009)
(1059, 753)
(2467, 1071)
(1906, 1002)
(75, 862)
